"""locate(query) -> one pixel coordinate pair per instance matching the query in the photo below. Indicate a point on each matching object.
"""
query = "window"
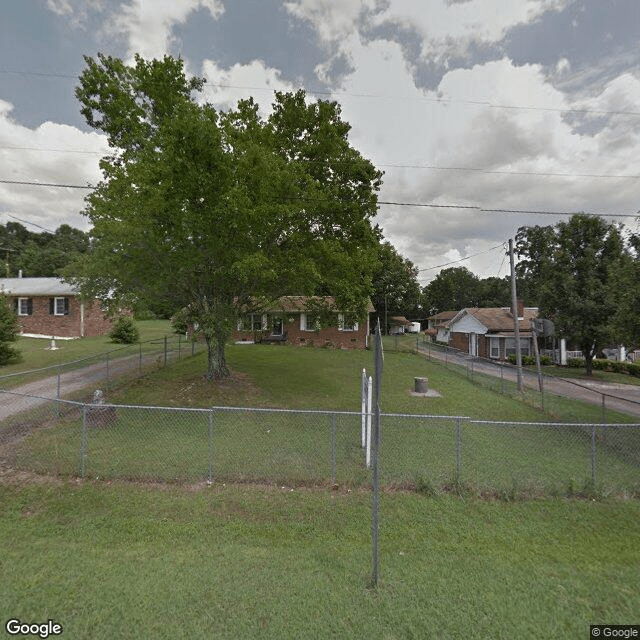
(59, 306)
(251, 322)
(24, 306)
(310, 322)
(494, 347)
(510, 346)
(347, 322)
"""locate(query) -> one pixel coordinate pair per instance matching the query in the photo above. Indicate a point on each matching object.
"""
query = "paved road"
(619, 397)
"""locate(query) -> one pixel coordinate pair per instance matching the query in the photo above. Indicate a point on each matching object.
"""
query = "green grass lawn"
(122, 561)
(271, 550)
(36, 353)
(317, 448)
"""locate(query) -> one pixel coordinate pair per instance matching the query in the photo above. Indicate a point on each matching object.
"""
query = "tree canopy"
(42, 254)
(395, 285)
(217, 211)
(573, 270)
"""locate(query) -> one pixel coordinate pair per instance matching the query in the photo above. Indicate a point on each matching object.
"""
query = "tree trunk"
(216, 359)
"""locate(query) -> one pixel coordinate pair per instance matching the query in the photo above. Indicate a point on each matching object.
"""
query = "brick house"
(305, 321)
(49, 307)
(490, 332)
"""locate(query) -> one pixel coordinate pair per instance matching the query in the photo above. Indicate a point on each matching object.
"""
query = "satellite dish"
(543, 327)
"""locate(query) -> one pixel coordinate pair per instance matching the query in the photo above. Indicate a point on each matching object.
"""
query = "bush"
(124, 331)
(180, 321)
(9, 330)
(576, 363)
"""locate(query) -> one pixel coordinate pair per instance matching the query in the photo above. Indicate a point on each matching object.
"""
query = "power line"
(376, 96)
(46, 184)
(390, 203)
(446, 264)
(396, 166)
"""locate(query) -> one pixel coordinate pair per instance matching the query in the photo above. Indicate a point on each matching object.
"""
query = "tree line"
(39, 254)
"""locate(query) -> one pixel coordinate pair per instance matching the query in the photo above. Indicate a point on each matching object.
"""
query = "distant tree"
(215, 211)
(40, 254)
(451, 290)
(574, 270)
(9, 330)
(395, 285)
(494, 292)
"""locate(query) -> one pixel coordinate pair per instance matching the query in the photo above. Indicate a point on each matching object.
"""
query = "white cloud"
(333, 19)
(53, 154)
(148, 25)
(225, 87)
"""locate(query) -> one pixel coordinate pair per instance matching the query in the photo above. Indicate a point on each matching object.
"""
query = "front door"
(473, 344)
(277, 327)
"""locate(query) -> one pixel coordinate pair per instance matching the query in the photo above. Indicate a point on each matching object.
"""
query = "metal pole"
(593, 456)
(83, 446)
(140, 359)
(333, 449)
(179, 345)
(107, 370)
(165, 351)
(210, 447)
(604, 411)
(514, 310)
(375, 507)
(458, 449)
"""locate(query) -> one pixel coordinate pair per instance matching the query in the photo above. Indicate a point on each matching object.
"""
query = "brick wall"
(328, 336)
(42, 322)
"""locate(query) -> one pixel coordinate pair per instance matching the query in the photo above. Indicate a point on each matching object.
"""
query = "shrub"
(180, 321)
(634, 369)
(124, 331)
(575, 363)
(9, 330)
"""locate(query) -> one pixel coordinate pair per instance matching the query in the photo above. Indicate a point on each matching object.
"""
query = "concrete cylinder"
(421, 385)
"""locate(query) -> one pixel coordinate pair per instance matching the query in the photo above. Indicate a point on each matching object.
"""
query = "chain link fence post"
(593, 455)
(333, 449)
(83, 445)
(458, 448)
(210, 447)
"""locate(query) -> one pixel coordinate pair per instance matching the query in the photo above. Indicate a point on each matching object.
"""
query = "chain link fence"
(552, 394)
(315, 448)
(71, 379)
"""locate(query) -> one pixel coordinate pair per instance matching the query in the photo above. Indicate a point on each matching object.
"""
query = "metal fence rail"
(290, 447)
(501, 377)
(69, 379)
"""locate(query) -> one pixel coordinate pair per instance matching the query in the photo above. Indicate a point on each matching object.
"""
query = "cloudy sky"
(472, 105)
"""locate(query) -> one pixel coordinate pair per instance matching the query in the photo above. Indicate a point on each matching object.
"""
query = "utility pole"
(514, 310)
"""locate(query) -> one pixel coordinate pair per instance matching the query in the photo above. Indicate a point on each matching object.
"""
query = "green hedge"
(601, 364)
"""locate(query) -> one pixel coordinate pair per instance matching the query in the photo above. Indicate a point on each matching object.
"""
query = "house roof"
(443, 316)
(400, 320)
(291, 304)
(36, 287)
(499, 319)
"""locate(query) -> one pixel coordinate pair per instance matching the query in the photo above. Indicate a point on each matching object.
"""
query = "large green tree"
(396, 290)
(452, 289)
(573, 271)
(217, 211)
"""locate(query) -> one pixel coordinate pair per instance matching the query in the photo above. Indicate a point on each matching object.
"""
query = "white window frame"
(56, 302)
(494, 348)
(342, 322)
(26, 307)
(306, 319)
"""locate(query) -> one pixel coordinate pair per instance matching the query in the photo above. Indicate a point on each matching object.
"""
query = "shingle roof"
(498, 319)
(36, 287)
(291, 304)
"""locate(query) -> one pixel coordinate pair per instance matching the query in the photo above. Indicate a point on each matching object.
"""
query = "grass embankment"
(116, 561)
